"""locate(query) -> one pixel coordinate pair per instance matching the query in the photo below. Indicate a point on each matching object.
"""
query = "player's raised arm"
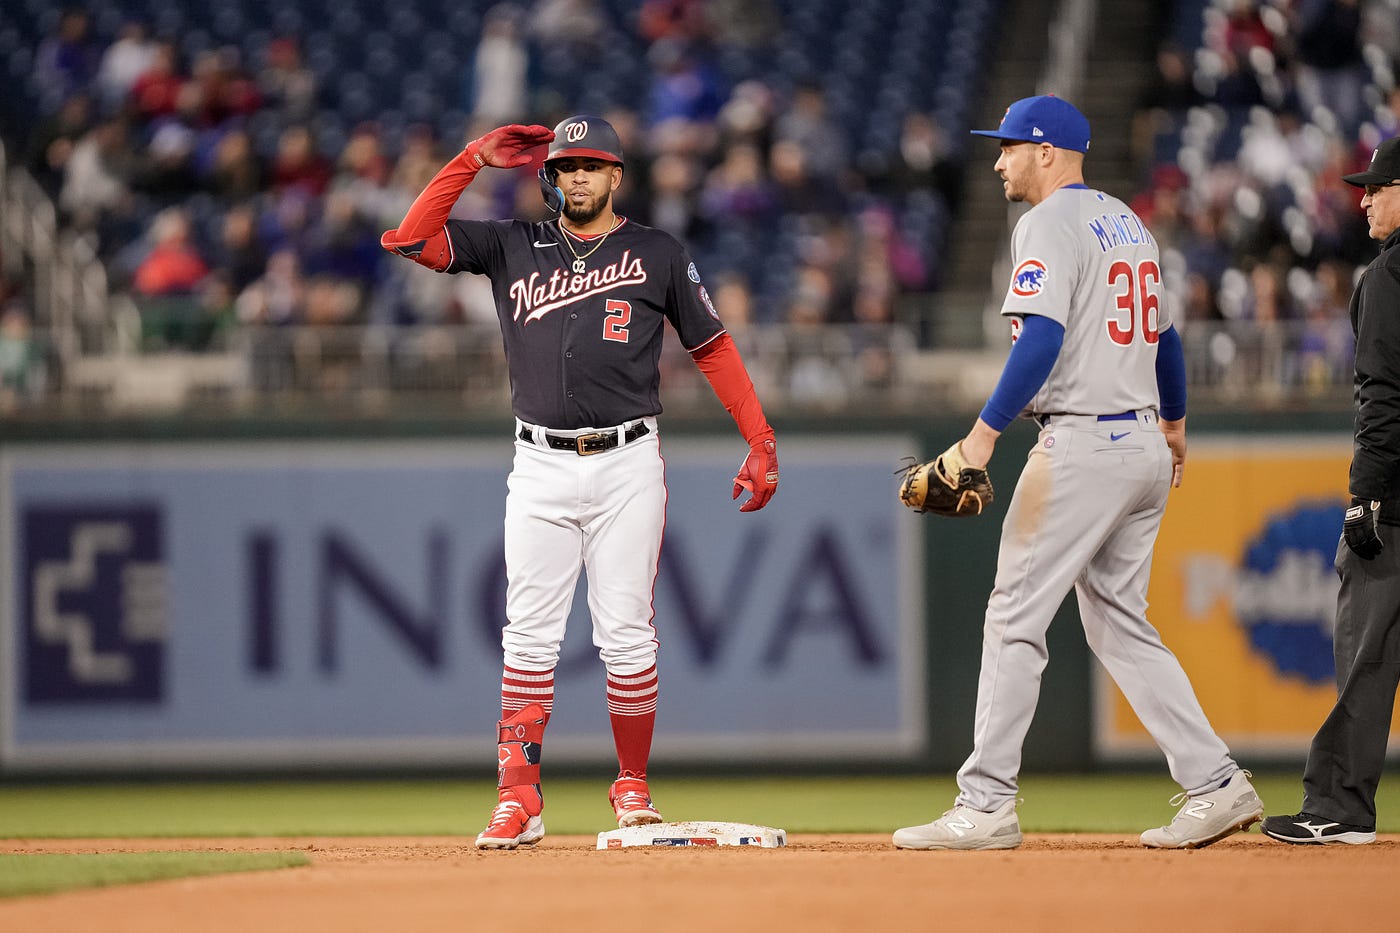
(722, 365)
(420, 236)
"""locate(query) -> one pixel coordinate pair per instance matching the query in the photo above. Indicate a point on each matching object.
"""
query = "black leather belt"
(586, 445)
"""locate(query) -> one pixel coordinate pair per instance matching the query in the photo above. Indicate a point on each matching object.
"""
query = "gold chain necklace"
(579, 258)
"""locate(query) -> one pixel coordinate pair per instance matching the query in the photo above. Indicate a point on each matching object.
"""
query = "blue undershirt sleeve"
(1171, 375)
(1032, 357)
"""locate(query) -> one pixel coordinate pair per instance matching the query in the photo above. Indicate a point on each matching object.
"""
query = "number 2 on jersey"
(1136, 295)
(619, 316)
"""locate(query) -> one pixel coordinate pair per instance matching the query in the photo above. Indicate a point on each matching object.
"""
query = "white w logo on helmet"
(576, 131)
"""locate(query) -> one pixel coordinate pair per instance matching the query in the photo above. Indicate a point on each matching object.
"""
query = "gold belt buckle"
(581, 444)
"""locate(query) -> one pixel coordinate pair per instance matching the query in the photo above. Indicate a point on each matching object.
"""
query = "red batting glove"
(759, 474)
(505, 147)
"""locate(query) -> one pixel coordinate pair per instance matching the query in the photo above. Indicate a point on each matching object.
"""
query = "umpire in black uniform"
(1348, 752)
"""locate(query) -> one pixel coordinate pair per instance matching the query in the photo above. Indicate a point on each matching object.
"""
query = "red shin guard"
(518, 754)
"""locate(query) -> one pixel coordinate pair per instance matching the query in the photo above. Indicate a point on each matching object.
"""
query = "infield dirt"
(1084, 883)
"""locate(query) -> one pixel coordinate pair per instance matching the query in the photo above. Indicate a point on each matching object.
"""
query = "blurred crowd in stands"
(236, 183)
(1258, 108)
(220, 195)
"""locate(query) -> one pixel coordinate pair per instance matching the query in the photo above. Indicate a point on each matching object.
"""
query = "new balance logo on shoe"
(1197, 808)
(1206, 818)
(965, 828)
(959, 824)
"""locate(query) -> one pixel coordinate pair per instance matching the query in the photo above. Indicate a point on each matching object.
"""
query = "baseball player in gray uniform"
(1096, 363)
(583, 300)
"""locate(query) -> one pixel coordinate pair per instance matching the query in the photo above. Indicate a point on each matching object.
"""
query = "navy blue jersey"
(583, 347)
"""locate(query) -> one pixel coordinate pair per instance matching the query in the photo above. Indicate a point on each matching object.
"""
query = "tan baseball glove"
(946, 485)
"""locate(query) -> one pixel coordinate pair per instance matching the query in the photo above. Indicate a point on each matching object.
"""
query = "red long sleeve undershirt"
(719, 360)
(421, 236)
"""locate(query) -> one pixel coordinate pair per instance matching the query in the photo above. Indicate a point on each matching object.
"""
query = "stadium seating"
(399, 66)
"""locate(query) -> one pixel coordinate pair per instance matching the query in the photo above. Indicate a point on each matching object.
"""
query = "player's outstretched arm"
(719, 360)
(421, 235)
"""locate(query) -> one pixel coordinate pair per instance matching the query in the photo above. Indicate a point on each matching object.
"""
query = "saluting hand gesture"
(506, 146)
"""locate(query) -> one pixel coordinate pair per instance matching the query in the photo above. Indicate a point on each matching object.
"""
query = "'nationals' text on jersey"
(582, 348)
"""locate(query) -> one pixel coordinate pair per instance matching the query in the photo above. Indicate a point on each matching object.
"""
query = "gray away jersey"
(1084, 259)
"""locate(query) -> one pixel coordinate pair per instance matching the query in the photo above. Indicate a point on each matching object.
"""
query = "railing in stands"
(372, 371)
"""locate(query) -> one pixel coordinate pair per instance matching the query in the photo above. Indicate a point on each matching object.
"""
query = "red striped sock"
(519, 688)
(632, 709)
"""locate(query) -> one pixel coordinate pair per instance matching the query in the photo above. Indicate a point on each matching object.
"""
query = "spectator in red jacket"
(174, 265)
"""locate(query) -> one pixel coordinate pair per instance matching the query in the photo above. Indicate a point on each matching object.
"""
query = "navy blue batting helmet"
(582, 136)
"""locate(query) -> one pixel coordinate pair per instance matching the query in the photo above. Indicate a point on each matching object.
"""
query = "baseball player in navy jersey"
(1097, 364)
(583, 301)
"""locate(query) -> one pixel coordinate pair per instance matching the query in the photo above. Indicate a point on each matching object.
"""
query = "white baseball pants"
(603, 513)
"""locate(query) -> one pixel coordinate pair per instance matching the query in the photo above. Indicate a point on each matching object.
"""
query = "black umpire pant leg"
(1348, 752)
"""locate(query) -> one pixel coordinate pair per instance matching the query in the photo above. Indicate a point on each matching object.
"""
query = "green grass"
(44, 873)
(1052, 803)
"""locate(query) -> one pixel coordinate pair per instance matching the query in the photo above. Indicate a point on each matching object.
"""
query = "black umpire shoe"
(1307, 827)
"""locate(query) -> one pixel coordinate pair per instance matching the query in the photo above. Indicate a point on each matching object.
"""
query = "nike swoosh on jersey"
(543, 245)
(1118, 437)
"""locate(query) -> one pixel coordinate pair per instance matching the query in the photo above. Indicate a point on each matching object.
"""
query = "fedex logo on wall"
(94, 616)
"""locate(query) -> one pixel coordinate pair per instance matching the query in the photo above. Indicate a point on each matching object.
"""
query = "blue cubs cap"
(1044, 119)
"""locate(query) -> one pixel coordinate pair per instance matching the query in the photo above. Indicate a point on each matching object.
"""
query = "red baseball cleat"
(631, 801)
(511, 825)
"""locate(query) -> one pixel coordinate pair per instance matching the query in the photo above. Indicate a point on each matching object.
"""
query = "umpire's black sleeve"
(1375, 464)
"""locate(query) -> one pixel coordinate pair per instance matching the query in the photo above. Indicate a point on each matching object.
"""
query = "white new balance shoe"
(965, 828)
(1209, 817)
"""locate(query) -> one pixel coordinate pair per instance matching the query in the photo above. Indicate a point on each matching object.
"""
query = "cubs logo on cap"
(1043, 119)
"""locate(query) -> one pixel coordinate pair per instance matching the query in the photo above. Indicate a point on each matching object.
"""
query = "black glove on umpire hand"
(1360, 528)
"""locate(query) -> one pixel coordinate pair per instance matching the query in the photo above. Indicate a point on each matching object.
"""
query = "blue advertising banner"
(236, 604)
